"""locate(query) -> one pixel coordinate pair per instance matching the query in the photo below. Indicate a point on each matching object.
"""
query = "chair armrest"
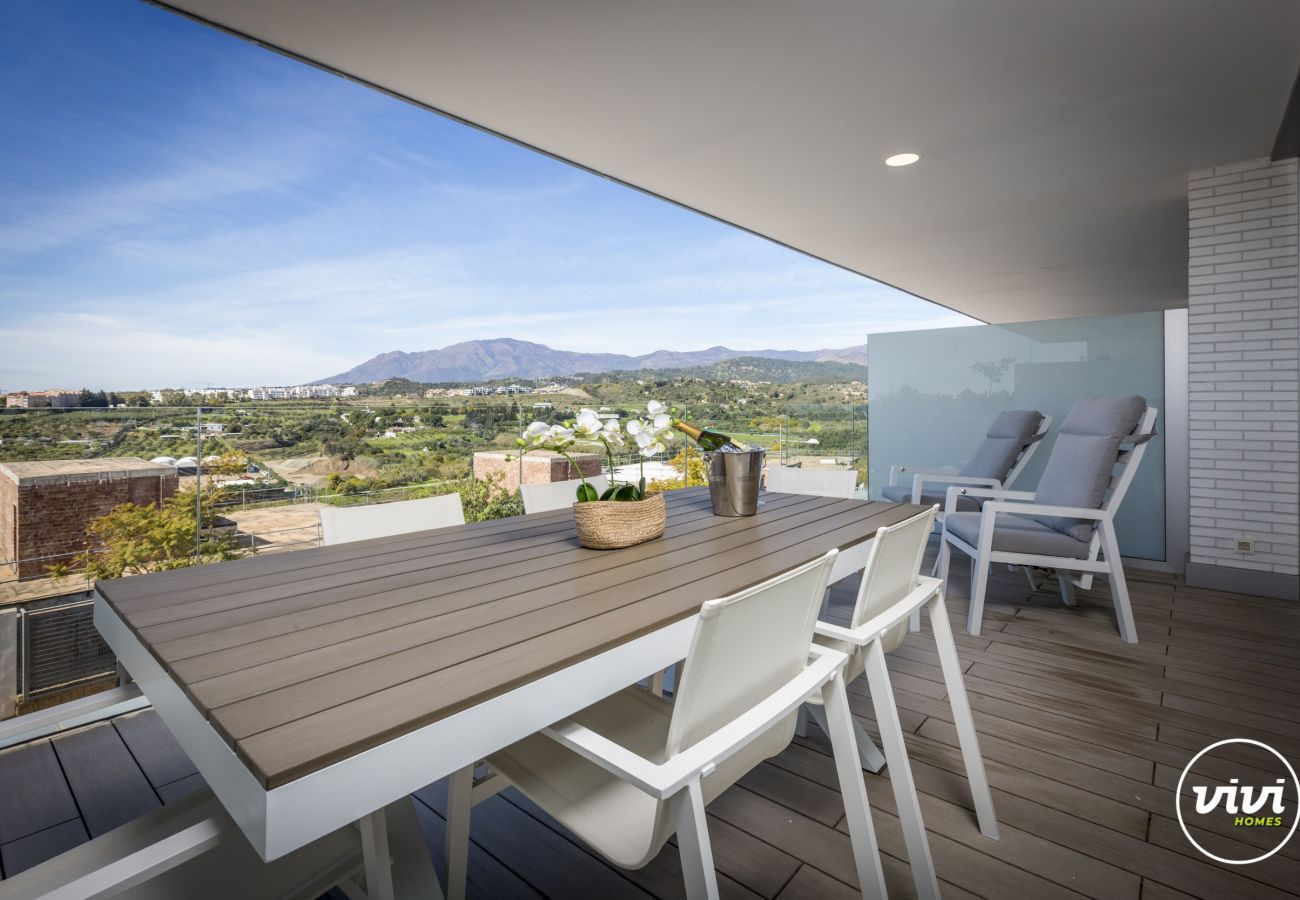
(920, 480)
(701, 758)
(895, 471)
(1042, 509)
(950, 501)
(882, 621)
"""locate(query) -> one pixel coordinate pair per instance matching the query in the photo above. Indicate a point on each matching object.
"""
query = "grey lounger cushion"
(1009, 434)
(1017, 534)
(902, 493)
(1083, 459)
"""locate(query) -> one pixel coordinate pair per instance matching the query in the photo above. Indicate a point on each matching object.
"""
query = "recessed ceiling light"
(902, 159)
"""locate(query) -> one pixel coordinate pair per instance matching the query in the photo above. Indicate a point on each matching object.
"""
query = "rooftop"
(65, 470)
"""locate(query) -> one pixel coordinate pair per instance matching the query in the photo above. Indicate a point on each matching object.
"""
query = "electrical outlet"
(1245, 545)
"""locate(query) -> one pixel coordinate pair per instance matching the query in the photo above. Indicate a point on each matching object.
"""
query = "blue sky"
(179, 207)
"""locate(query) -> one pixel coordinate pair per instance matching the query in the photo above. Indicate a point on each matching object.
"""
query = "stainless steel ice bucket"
(734, 480)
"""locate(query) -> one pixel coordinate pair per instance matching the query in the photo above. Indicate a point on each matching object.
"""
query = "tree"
(231, 462)
(692, 465)
(994, 370)
(134, 539)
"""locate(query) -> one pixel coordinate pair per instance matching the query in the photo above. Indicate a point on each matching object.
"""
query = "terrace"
(1113, 190)
(1084, 738)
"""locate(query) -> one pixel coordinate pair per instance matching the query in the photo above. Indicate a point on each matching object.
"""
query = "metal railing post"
(25, 650)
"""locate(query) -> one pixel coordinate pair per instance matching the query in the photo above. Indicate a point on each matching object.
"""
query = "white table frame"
(360, 788)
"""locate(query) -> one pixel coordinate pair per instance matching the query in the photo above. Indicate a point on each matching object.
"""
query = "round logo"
(1239, 806)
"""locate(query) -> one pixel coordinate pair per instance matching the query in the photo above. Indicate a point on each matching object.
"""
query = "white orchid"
(611, 434)
(535, 435)
(588, 424)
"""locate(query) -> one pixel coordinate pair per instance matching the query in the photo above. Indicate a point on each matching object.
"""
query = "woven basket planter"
(610, 524)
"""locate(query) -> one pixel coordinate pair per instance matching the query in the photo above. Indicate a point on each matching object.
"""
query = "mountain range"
(509, 358)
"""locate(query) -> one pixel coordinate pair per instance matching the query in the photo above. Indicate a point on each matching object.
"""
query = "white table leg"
(900, 773)
(961, 716)
(460, 799)
(862, 834)
(413, 873)
(374, 851)
(868, 754)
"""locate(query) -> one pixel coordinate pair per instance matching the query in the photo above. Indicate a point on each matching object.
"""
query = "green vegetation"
(132, 539)
(394, 435)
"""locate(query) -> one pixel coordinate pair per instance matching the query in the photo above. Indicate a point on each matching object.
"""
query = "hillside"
(509, 358)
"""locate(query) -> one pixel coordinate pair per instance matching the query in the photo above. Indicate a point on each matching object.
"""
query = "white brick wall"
(1243, 333)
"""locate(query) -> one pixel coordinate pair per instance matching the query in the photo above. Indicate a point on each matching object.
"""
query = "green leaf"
(625, 492)
(641, 488)
(587, 493)
(609, 492)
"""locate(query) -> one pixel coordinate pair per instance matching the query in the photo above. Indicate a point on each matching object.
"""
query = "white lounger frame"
(1103, 550)
(950, 477)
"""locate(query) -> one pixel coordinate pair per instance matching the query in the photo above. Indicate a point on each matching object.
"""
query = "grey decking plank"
(487, 878)
(109, 786)
(35, 795)
(34, 849)
(182, 788)
(153, 747)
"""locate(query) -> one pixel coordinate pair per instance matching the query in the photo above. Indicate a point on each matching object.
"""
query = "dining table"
(321, 687)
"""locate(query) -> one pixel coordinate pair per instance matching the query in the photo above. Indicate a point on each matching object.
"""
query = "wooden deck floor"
(1084, 737)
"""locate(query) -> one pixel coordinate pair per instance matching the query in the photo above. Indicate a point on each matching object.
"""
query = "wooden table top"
(302, 659)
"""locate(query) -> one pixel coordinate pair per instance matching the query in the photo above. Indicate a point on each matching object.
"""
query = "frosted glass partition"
(934, 393)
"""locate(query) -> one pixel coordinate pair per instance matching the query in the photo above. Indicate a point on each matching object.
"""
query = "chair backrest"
(1027, 452)
(341, 524)
(816, 482)
(891, 571)
(1081, 469)
(744, 648)
(1011, 439)
(557, 494)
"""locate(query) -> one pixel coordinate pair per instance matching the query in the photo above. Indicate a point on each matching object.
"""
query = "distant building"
(538, 467)
(300, 392)
(55, 399)
(46, 506)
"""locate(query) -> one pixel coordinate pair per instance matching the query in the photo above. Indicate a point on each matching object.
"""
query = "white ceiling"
(1055, 137)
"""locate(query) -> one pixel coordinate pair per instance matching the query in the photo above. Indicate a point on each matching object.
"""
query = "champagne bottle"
(709, 440)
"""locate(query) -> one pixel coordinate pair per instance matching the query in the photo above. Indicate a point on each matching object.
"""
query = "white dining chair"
(342, 524)
(1066, 524)
(841, 483)
(628, 772)
(892, 588)
(557, 494)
